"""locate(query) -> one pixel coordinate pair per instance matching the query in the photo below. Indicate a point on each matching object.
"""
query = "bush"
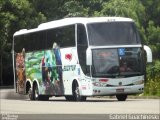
(152, 86)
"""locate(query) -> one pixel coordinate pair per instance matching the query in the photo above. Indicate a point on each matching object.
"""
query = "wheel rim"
(77, 92)
(30, 93)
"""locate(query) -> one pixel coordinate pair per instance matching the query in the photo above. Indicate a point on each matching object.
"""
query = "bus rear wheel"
(30, 94)
(121, 97)
(34, 94)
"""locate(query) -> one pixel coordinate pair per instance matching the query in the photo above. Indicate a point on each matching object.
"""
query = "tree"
(26, 14)
(152, 10)
(153, 38)
(51, 9)
(152, 25)
(125, 8)
(57, 9)
(14, 15)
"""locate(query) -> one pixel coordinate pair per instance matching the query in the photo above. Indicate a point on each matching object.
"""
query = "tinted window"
(113, 33)
(117, 62)
(39, 40)
(31, 42)
(82, 45)
(105, 62)
(67, 35)
(82, 37)
(27, 43)
(64, 36)
(18, 43)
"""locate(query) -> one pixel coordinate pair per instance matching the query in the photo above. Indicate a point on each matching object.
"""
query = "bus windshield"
(112, 33)
(124, 62)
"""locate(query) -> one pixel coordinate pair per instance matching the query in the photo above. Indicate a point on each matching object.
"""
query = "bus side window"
(17, 43)
(36, 41)
(67, 36)
(51, 38)
(41, 40)
(27, 43)
(82, 46)
(63, 36)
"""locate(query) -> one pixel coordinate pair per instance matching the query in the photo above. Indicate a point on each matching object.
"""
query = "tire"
(121, 97)
(35, 92)
(43, 97)
(69, 98)
(76, 93)
(30, 94)
(83, 98)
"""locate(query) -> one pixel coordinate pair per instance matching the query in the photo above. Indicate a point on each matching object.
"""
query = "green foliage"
(152, 26)
(126, 8)
(153, 38)
(77, 9)
(152, 8)
(14, 15)
(152, 87)
(153, 70)
(51, 9)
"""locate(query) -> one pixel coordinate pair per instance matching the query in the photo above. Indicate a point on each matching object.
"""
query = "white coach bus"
(80, 57)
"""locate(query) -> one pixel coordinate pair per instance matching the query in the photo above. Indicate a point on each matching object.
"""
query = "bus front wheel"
(69, 98)
(76, 93)
(121, 97)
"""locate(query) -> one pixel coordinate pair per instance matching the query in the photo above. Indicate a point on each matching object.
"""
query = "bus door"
(82, 46)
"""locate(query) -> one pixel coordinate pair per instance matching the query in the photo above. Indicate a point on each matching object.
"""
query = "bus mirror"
(88, 56)
(148, 53)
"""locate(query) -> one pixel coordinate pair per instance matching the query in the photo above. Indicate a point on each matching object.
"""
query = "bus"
(80, 57)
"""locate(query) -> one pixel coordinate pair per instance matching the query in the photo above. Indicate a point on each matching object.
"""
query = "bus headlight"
(96, 84)
(99, 84)
(138, 82)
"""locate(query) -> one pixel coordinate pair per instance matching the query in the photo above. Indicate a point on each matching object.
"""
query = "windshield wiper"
(130, 74)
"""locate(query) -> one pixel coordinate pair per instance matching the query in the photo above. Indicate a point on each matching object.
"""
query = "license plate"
(120, 90)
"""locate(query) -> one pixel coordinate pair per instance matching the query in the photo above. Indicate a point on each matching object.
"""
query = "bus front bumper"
(135, 89)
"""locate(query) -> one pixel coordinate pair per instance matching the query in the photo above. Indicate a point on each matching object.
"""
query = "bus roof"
(70, 21)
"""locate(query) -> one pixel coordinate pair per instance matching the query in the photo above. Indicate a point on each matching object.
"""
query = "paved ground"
(91, 106)
(57, 105)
